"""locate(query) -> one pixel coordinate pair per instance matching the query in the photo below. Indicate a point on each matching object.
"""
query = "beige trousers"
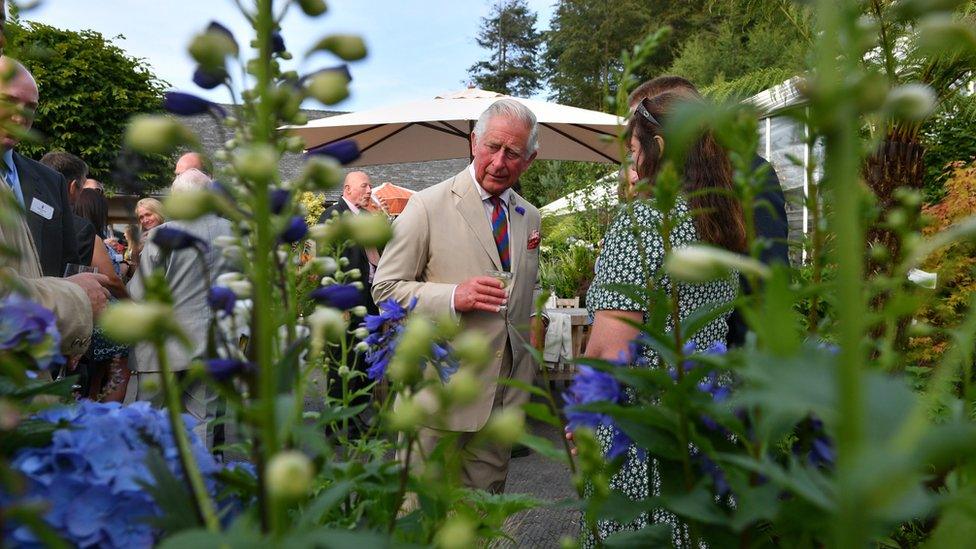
(483, 464)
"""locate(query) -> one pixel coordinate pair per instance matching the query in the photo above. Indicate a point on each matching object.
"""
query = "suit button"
(498, 354)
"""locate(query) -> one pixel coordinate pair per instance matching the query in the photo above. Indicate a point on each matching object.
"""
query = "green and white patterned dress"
(620, 263)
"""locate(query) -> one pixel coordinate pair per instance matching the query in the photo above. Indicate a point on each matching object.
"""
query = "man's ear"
(531, 158)
(473, 141)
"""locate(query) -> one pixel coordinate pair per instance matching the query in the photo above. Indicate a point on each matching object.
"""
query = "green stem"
(190, 469)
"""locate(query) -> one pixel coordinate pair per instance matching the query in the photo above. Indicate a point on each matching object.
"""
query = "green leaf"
(703, 316)
(544, 447)
(29, 433)
(287, 367)
(171, 495)
(34, 387)
(315, 512)
(541, 412)
(653, 535)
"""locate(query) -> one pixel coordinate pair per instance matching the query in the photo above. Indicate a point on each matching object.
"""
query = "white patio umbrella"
(438, 129)
(602, 194)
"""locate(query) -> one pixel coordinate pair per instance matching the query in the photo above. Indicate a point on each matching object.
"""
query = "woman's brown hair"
(706, 178)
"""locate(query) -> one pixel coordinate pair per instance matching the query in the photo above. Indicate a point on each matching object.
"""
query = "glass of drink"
(72, 269)
(505, 278)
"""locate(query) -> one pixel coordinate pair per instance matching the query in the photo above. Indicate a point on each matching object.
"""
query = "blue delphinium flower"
(339, 296)
(384, 333)
(223, 369)
(217, 27)
(209, 79)
(222, 300)
(91, 473)
(296, 230)
(186, 104)
(820, 450)
(710, 468)
(277, 42)
(447, 366)
(591, 386)
(30, 330)
(344, 151)
(171, 239)
(279, 199)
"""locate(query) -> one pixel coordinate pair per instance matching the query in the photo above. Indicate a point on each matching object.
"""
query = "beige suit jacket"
(442, 238)
(23, 270)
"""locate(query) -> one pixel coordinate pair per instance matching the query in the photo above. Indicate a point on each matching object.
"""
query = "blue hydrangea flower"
(172, 239)
(91, 473)
(30, 330)
(339, 296)
(591, 386)
(296, 230)
(222, 299)
(344, 151)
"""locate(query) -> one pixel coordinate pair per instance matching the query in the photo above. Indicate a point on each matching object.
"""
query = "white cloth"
(559, 338)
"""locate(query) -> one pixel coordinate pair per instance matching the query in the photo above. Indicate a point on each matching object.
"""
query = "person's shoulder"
(30, 168)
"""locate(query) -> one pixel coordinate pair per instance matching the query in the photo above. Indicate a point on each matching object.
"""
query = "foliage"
(509, 34)
(567, 269)
(89, 88)
(548, 180)
(955, 266)
(95, 469)
(949, 137)
(738, 46)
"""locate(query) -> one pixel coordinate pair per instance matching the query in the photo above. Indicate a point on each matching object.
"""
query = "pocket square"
(534, 239)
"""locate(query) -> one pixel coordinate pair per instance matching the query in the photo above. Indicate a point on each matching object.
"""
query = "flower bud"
(359, 311)
(407, 415)
(463, 387)
(326, 265)
(698, 263)
(413, 349)
(458, 532)
(289, 475)
(370, 231)
(328, 281)
(361, 332)
(256, 162)
(361, 347)
(232, 253)
(343, 371)
(347, 47)
(343, 262)
(328, 326)
(156, 134)
(943, 36)
(507, 426)
(322, 173)
(472, 349)
(358, 285)
(911, 102)
(189, 204)
(354, 274)
(210, 48)
(241, 288)
(224, 241)
(294, 144)
(312, 8)
(328, 87)
(226, 278)
(128, 322)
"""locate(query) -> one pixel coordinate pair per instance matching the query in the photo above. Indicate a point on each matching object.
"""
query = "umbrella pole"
(470, 133)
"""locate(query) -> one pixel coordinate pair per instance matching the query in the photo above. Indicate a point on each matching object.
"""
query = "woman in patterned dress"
(633, 251)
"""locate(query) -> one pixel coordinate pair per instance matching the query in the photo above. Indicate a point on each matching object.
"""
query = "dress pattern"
(636, 228)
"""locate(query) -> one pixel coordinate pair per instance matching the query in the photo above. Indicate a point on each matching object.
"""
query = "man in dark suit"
(75, 172)
(41, 191)
(769, 208)
(356, 194)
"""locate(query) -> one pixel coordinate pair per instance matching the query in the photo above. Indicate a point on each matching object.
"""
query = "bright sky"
(417, 49)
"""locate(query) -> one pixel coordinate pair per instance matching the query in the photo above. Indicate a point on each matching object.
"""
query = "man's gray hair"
(190, 180)
(511, 108)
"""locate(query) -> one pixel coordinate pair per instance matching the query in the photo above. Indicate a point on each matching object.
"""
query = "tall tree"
(89, 87)
(510, 35)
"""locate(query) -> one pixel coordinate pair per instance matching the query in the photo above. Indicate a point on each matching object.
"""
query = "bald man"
(191, 161)
(356, 193)
(41, 191)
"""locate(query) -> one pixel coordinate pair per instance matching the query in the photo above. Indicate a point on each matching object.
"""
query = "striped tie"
(499, 227)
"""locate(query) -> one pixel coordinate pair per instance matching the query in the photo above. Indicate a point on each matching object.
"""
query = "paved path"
(545, 479)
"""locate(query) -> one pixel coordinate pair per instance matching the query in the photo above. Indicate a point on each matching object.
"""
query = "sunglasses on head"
(646, 113)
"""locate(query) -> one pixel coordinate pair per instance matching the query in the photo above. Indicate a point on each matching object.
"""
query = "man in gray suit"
(186, 275)
(41, 192)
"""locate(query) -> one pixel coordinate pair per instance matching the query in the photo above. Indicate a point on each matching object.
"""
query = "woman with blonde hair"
(149, 212)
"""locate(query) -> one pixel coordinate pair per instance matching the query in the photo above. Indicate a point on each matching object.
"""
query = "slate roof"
(414, 176)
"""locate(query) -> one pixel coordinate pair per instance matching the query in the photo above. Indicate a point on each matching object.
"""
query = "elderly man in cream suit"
(443, 244)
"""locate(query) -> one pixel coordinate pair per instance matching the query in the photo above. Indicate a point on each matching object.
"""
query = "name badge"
(40, 208)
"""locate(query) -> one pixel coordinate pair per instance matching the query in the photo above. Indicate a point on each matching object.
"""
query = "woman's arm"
(610, 334)
(103, 263)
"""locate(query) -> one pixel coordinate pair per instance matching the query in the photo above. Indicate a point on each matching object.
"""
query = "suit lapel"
(28, 186)
(472, 210)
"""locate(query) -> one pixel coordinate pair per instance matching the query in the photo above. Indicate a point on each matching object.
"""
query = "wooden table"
(580, 331)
